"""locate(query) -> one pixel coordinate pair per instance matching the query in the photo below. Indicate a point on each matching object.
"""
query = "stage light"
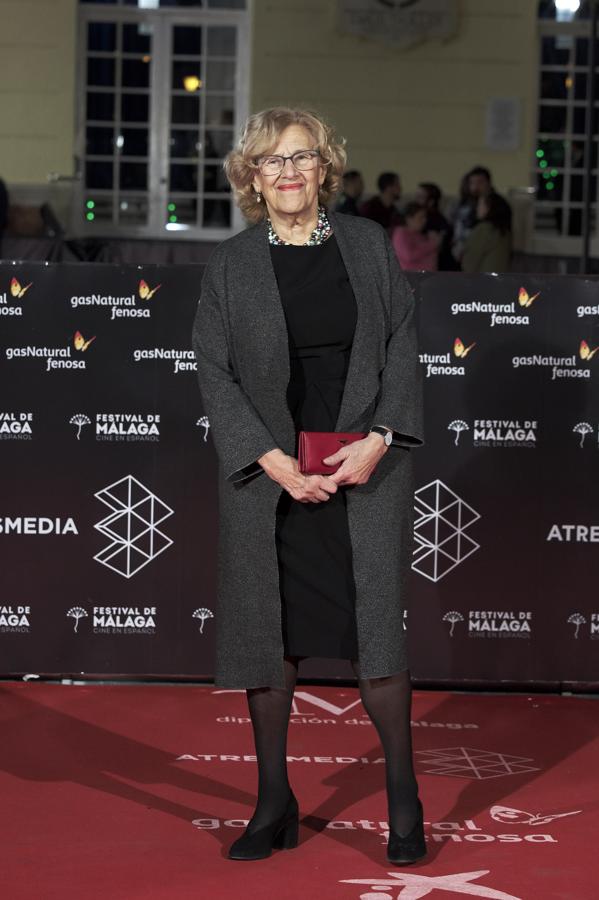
(90, 204)
(540, 154)
(120, 141)
(171, 207)
(554, 173)
(191, 83)
(172, 218)
(543, 164)
(550, 185)
(90, 216)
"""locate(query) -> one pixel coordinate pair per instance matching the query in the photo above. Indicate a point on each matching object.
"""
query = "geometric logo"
(131, 526)
(464, 762)
(440, 522)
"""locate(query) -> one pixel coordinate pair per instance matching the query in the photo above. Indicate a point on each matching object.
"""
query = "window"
(559, 162)
(163, 90)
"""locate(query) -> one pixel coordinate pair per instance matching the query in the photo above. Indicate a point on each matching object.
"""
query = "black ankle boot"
(280, 834)
(407, 849)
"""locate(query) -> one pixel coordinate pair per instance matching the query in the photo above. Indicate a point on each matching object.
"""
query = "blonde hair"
(260, 135)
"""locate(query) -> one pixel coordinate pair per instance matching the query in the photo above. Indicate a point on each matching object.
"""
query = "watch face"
(388, 438)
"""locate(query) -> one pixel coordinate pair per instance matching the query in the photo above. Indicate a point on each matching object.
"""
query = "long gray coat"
(240, 341)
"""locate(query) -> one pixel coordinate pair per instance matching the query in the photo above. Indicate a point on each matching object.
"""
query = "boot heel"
(287, 837)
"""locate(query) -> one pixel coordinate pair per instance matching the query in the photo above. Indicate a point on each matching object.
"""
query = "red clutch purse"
(314, 446)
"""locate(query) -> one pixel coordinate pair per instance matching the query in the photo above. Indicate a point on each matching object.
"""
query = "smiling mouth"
(290, 187)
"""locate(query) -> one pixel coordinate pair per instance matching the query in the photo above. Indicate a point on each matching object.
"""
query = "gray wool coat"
(241, 345)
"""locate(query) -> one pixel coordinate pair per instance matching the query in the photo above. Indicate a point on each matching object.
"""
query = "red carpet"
(127, 792)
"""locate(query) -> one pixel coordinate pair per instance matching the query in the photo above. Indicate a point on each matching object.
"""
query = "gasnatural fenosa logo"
(17, 291)
(500, 313)
(120, 306)
(444, 363)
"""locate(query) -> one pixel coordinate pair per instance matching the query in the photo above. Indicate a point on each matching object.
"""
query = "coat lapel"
(361, 384)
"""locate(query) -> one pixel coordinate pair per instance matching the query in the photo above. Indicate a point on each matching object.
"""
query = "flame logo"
(524, 299)
(144, 290)
(17, 290)
(80, 342)
(460, 350)
(585, 351)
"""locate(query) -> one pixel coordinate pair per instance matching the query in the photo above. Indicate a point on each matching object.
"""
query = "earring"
(258, 197)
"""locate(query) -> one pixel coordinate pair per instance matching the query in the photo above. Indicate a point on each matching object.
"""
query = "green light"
(171, 207)
(550, 185)
(540, 154)
(90, 217)
(554, 173)
(172, 218)
(546, 175)
(543, 164)
(90, 204)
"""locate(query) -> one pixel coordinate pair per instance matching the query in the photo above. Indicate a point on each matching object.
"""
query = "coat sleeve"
(240, 435)
(400, 399)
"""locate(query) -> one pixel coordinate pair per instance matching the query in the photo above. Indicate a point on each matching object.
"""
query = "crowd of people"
(477, 237)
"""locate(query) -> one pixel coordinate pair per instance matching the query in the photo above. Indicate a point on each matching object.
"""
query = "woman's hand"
(285, 471)
(359, 459)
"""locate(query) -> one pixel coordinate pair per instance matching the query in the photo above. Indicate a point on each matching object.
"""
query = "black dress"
(313, 543)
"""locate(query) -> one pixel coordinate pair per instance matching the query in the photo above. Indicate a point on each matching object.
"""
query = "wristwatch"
(386, 433)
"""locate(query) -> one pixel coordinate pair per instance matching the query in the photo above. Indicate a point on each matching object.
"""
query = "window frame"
(563, 244)
(163, 20)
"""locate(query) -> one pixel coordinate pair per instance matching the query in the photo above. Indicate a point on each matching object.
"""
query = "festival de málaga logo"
(500, 313)
(577, 365)
(582, 429)
(496, 432)
(119, 426)
(443, 363)
(16, 426)
(123, 306)
(492, 623)
(15, 619)
(578, 620)
(116, 619)
(16, 291)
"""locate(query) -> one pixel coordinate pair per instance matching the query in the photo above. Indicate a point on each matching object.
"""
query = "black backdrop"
(108, 507)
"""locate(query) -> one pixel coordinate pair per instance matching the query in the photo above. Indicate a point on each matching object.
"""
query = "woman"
(415, 250)
(306, 322)
(488, 247)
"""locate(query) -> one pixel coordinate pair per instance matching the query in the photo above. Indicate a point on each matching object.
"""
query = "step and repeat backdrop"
(108, 510)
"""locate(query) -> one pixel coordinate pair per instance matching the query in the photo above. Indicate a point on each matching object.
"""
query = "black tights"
(387, 701)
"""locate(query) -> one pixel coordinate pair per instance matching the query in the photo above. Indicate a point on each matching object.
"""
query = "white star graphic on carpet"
(416, 886)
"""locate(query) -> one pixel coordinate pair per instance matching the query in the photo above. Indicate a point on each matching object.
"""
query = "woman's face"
(291, 192)
(482, 207)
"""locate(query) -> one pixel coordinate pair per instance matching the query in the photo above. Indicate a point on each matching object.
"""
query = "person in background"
(416, 251)
(475, 184)
(489, 245)
(429, 195)
(353, 188)
(382, 207)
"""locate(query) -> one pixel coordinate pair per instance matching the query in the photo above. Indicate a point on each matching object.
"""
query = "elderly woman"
(305, 322)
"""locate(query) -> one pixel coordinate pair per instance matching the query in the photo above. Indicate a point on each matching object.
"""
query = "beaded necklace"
(322, 231)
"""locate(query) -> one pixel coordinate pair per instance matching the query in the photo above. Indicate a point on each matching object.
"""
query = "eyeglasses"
(303, 161)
